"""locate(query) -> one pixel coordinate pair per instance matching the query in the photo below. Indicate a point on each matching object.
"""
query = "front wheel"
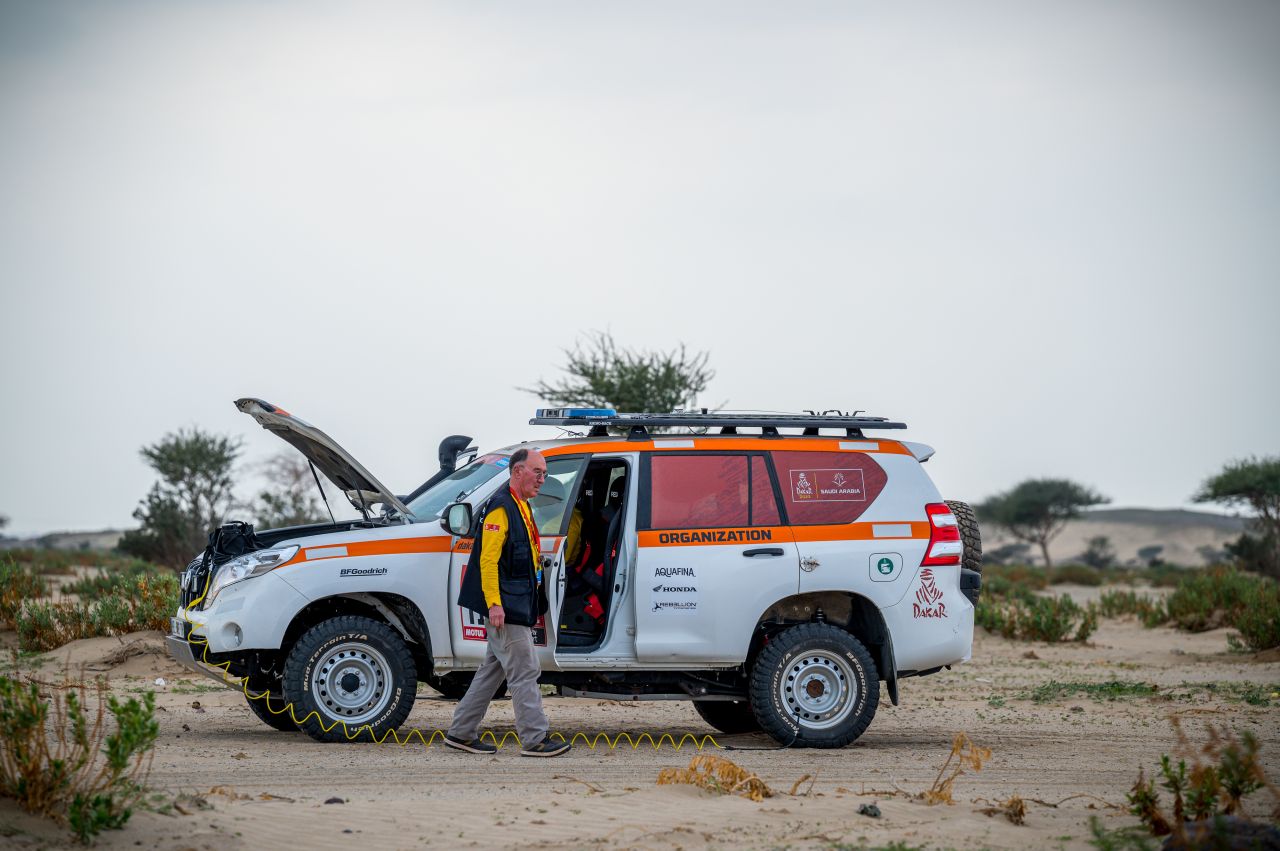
(814, 685)
(272, 709)
(350, 679)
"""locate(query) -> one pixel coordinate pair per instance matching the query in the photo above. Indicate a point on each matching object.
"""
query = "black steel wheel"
(350, 679)
(728, 716)
(815, 686)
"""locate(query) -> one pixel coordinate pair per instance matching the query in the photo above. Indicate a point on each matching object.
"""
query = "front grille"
(193, 581)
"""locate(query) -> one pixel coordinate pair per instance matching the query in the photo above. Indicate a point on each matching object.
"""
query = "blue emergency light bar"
(574, 413)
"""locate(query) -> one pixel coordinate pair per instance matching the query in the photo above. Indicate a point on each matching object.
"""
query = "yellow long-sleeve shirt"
(495, 535)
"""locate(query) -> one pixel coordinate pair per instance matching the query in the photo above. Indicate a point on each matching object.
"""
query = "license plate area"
(179, 627)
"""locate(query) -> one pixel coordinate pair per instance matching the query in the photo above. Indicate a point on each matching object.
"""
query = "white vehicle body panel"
(677, 605)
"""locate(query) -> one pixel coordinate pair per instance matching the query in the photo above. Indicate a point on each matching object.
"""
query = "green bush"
(59, 763)
(1211, 598)
(18, 584)
(1031, 618)
(1259, 619)
(1149, 610)
(119, 576)
(1022, 575)
(146, 603)
(1076, 574)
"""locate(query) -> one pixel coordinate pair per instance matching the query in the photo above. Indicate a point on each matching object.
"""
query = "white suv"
(770, 572)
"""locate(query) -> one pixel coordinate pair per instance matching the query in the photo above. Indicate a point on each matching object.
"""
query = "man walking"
(503, 583)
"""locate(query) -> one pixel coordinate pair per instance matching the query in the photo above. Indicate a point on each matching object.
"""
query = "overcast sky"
(1045, 235)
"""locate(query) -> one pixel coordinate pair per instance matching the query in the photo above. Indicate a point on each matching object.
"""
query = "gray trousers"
(513, 657)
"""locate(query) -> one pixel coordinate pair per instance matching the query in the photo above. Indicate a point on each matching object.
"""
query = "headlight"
(246, 567)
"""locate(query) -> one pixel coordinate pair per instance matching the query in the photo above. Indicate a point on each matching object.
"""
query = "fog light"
(233, 635)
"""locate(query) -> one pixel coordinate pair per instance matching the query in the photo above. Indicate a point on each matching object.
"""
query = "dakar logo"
(803, 486)
(928, 602)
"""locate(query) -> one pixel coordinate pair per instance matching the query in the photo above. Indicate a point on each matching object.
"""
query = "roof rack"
(638, 424)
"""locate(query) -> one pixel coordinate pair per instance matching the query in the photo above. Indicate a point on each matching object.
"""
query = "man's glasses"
(540, 475)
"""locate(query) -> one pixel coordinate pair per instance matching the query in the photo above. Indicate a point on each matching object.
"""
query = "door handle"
(763, 551)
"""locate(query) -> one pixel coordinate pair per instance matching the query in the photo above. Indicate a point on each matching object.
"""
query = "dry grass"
(717, 774)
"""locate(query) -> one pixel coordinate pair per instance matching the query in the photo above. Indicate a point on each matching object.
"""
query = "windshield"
(459, 485)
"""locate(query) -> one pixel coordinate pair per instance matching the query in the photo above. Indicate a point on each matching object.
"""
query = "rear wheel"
(350, 679)
(814, 685)
(728, 716)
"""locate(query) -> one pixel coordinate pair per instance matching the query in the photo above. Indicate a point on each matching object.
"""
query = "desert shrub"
(1149, 610)
(57, 761)
(18, 584)
(1023, 575)
(1258, 620)
(1076, 574)
(122, 574)
(1210, 598)
(1202, 795)
(1032, 618)
(46, 561)
(145, 604)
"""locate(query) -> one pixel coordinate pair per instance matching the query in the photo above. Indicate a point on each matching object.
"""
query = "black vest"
(523, 599)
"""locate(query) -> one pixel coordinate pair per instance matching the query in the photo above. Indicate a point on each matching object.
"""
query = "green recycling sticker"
(885, 567)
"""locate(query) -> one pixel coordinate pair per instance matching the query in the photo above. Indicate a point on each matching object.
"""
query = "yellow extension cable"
(591, 741)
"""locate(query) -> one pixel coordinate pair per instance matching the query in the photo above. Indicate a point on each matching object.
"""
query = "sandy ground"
(241, 784)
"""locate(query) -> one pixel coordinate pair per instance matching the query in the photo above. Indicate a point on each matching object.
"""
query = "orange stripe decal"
(356, 549)
(779, 534)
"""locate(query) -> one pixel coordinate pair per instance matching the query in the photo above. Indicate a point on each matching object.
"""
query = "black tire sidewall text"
(772, 665)
(314, 719)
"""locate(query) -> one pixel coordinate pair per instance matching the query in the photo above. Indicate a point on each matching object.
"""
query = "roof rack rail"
(638, 424)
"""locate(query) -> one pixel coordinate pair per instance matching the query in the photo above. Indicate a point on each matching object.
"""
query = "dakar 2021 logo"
(928, 602)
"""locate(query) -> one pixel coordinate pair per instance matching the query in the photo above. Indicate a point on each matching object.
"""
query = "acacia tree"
(192, 497)
(1256, 483)
(602, 374)
(1036, 510)
(290, 496)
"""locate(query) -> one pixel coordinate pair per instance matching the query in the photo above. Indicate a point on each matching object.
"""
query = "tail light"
(944, 536)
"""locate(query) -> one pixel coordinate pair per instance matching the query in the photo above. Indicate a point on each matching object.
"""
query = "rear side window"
(764, 505)
(827, 487)
(698, 491)
(705, 491)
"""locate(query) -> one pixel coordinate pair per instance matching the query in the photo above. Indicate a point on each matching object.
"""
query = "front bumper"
(184, 654)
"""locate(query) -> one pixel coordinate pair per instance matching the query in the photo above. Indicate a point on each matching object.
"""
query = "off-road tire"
(814, 686)
(282, 721)
(969, 534)
(377, 659)
(728, 716)
(455, 684)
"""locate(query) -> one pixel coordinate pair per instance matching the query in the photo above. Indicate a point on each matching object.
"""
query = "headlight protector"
(248, 566)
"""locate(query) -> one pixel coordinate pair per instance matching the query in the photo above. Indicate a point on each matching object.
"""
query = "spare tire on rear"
(970, 536)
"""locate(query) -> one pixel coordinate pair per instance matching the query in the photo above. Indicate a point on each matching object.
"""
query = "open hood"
(359, 485)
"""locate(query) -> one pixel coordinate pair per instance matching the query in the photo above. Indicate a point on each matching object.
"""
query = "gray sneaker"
(473, 746)
(546, 747)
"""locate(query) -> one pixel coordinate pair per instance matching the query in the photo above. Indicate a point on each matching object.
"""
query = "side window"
(764, 506)
(827, 487)
(552, 500)
(698, 491)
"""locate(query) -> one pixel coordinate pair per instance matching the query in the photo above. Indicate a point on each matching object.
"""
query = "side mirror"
(457, 519)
